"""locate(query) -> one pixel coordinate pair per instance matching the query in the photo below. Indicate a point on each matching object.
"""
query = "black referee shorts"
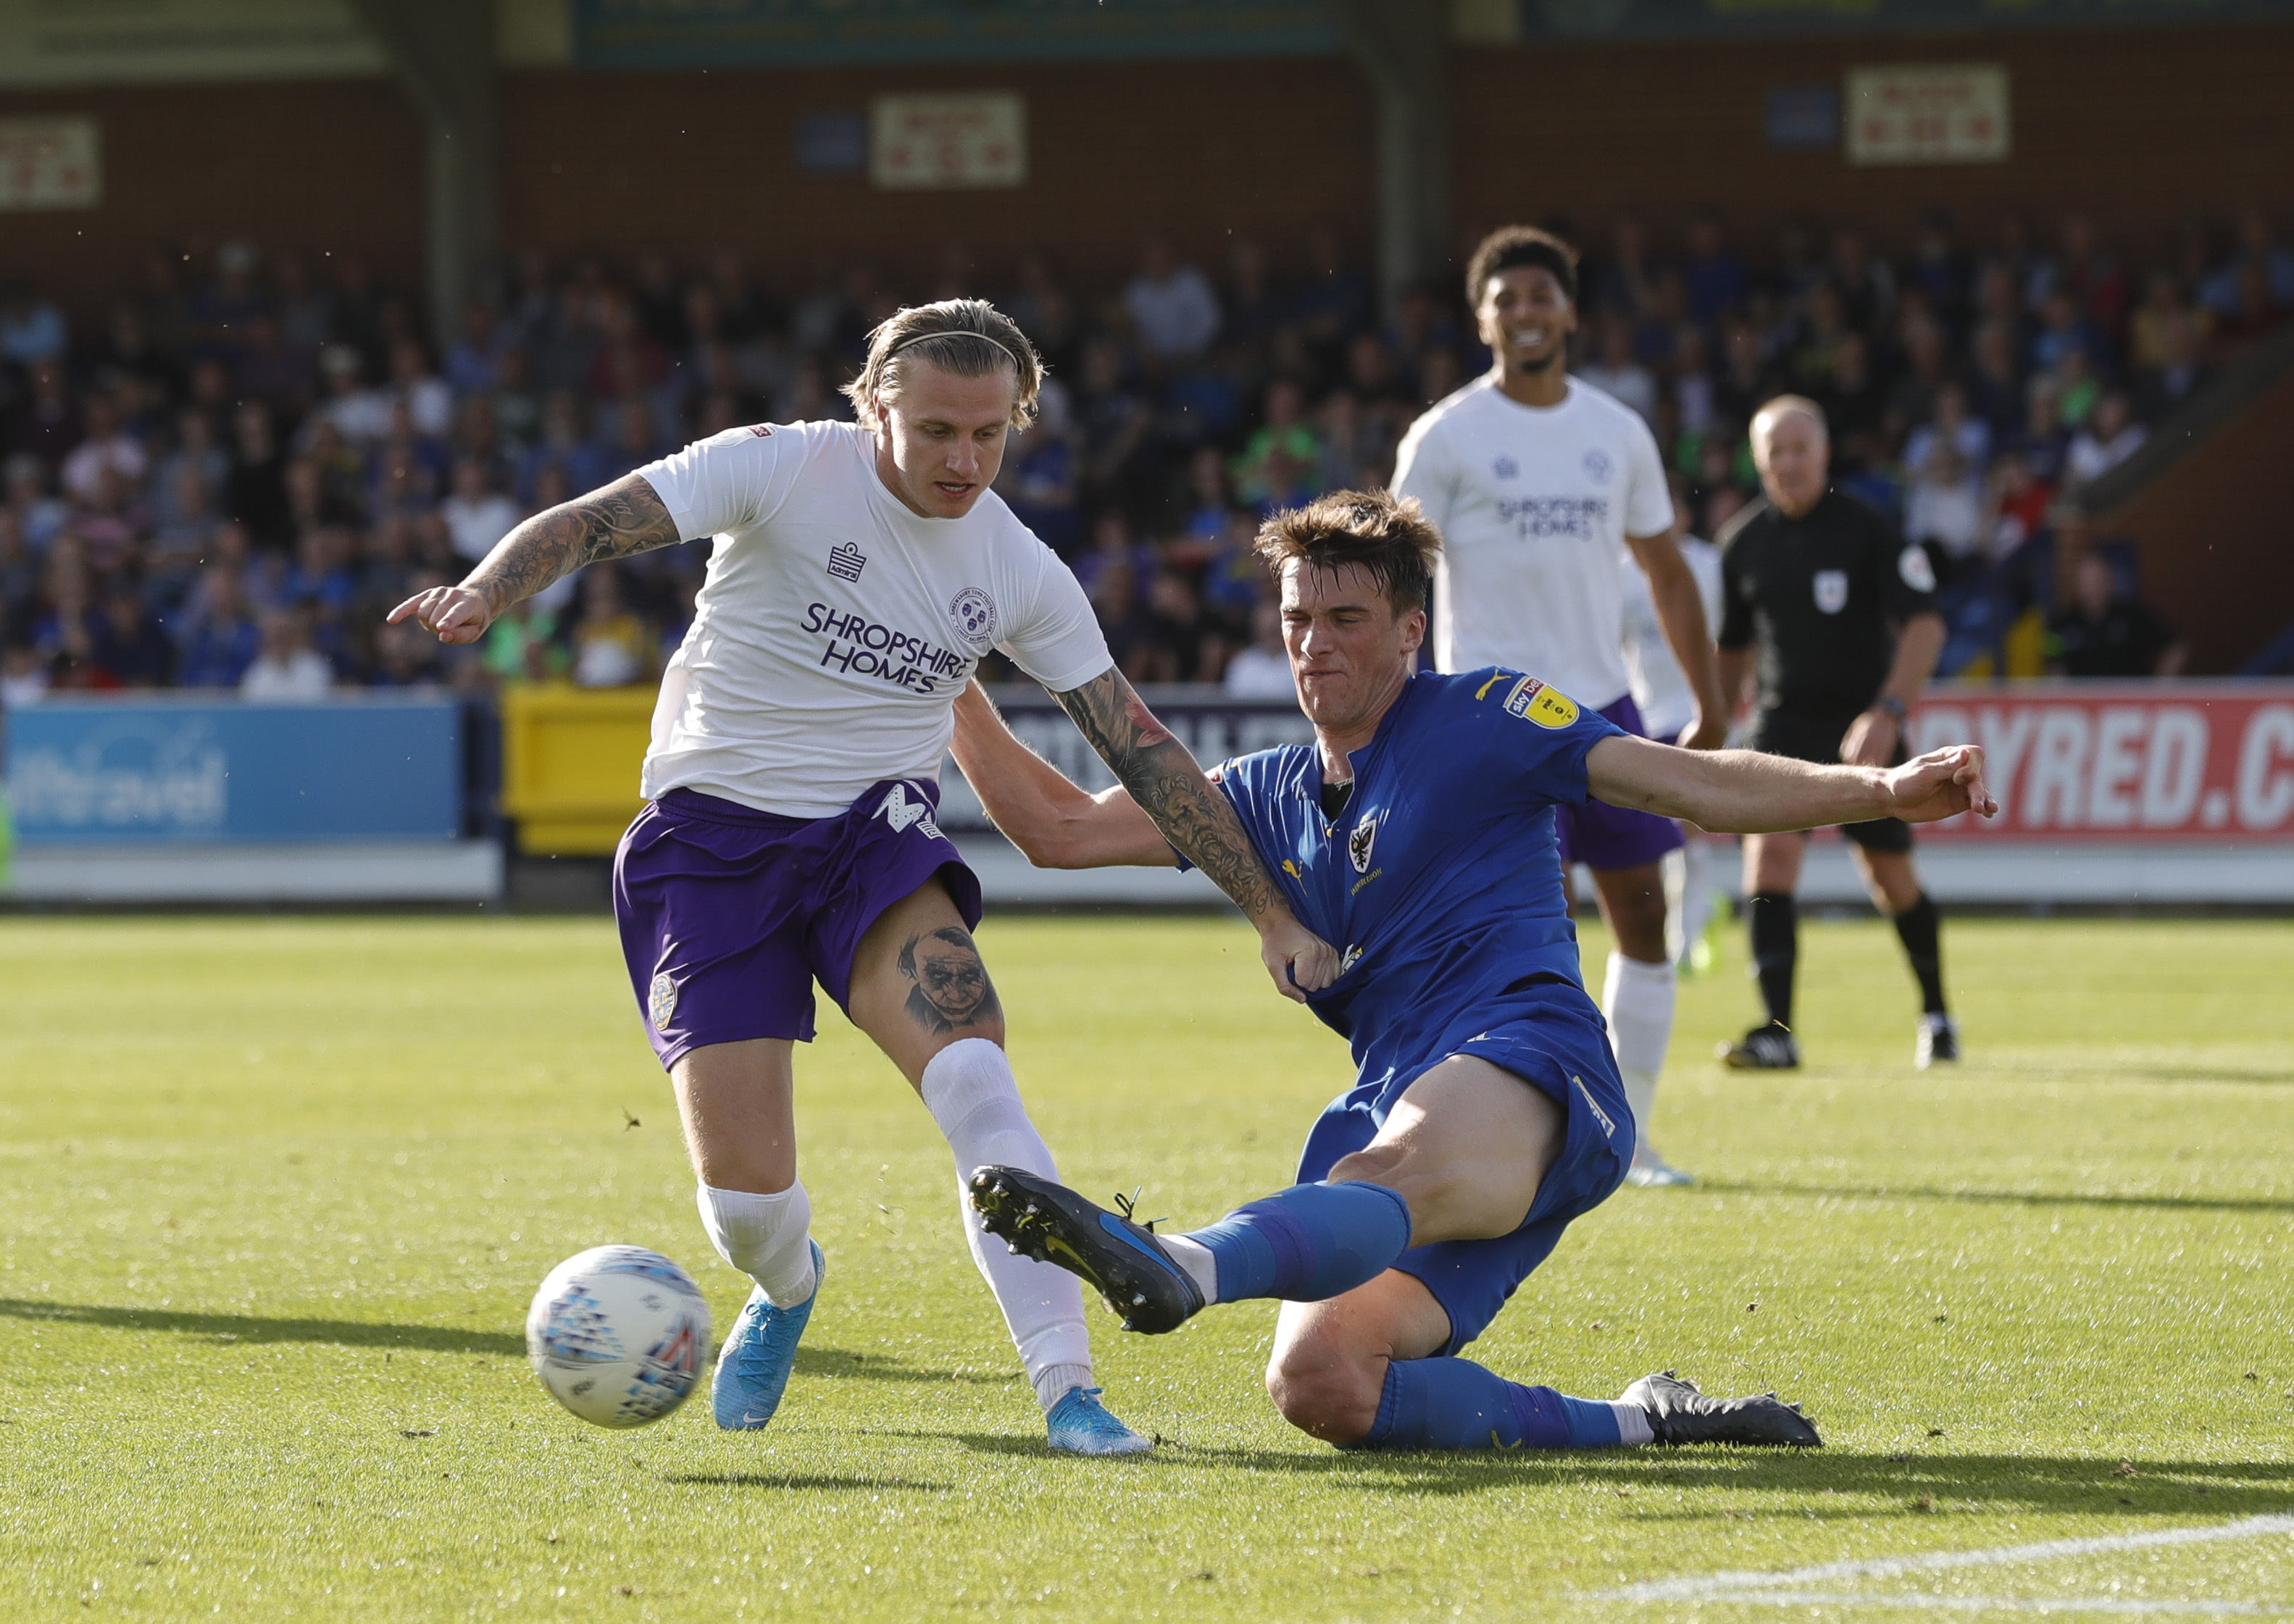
(1807, 737)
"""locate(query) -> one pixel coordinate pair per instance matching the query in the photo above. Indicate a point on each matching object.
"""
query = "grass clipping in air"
(277, 1192)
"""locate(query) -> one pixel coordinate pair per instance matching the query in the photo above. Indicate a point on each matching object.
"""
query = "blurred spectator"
(2109, 438)
(476, 517)
(2103, 631)
(31, 329)
(1614, 371)
(255, 491)
(129, 648)
(38, 513)
(1277, 465)
(1261, 668)
(288, 668)
(1952, 426)
(220, 638)
(1943, 512)
(1171, 305)
(610, 648)
(2175, 373)
(24, 675)
(106, 447)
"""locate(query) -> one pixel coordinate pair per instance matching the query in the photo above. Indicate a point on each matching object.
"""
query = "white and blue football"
(617, 1335)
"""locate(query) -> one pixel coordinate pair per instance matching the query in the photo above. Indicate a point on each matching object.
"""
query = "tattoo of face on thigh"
(950, 989)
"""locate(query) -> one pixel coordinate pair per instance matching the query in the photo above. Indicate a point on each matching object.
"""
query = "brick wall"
(2140, 127)
(324, 166)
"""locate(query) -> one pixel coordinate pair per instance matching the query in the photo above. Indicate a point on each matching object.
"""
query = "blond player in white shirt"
(860, 572)
(1538, 482)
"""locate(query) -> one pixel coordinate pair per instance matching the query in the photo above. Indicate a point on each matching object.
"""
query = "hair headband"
(1019, 366)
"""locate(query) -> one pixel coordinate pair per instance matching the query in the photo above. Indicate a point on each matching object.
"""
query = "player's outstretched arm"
(1167, 784)
(1053, 821)
(611, 522)
(1742, 792)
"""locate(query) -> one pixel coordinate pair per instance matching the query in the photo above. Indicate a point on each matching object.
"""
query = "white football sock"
(968, 1090)
(766, 1237)
(1633, 1423)
(1197, 1260)
(1637, 998)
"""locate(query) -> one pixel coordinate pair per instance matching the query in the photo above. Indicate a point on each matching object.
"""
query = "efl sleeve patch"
(1533, 700)
(1917, 570)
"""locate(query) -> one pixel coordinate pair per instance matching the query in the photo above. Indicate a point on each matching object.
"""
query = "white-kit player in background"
(1538, 482)
(1668, 705)
(860, 572)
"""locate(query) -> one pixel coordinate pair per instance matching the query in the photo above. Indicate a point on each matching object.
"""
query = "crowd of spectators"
(227, 482)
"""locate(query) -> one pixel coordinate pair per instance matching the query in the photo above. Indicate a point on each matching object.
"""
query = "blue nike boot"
(752, 1368)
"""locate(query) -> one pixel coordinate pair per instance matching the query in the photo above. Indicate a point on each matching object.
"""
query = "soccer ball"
(616, 1334)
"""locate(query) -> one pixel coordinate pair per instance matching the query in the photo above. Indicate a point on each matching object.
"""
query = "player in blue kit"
(1417, 831)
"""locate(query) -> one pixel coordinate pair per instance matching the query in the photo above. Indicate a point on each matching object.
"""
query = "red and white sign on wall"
(50, 163)
(2111, 763)
(1944, 113)
(958, 138)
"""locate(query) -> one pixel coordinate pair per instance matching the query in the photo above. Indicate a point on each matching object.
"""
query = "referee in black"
(1843, 615)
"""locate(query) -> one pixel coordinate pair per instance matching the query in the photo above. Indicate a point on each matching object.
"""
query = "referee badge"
(1831, 591)
(1533, 702)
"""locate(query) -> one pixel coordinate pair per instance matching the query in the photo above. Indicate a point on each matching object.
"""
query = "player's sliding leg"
(1772, 920)
(1637, 996)
(922, 991)
(1364, 1371)
(1459, 1156)
(1896, 891)
(740, 1129)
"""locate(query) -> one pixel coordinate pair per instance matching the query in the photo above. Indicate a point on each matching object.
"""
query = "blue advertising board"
(102, 772)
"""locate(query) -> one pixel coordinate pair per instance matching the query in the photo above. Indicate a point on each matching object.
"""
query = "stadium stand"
(227, 481)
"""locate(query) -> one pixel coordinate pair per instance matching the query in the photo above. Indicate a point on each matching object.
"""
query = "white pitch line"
(1714, 1586)
(1988, 1603)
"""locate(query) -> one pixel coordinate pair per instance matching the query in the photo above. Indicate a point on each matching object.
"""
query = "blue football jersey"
(1439, 881)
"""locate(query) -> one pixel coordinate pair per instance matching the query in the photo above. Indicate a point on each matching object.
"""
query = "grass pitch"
(277, 1191)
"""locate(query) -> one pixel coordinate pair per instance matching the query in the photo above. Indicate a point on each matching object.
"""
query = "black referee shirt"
(1822, 594)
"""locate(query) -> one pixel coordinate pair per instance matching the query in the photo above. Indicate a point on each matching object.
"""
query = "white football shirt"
(1534, 504)
(1661, 689)
(836, 628)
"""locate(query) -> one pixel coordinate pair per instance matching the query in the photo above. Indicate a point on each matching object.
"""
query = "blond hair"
(965, 337)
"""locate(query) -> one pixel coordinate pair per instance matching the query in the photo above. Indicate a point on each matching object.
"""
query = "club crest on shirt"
(1597, 467)
(900, 812)
(1506, 467)
(1831, 591)
(661, 1001)
(1534, 701)
(972, 612)
(1359, 844)
(846, 561)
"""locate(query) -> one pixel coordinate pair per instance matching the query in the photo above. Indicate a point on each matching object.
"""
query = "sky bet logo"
(870, 648)
(846, 561)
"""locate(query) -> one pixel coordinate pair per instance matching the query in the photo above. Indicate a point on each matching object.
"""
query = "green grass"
(273, 1194)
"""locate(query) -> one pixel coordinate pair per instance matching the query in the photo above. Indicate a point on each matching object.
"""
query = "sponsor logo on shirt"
(972, 612)
(661, 1001)
(763, 431)
(1576, 517)
(868, 648)
(846, 561)
(900, 812)
(1597, 467)
(1506, 467)
(1832, 590)
(1533, 702)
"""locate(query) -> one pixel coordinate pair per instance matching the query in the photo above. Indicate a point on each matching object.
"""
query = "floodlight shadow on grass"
(253, 1329)
(2003, 1197)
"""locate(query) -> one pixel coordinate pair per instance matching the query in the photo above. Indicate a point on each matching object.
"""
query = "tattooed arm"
(611, 522)
(1164, 779)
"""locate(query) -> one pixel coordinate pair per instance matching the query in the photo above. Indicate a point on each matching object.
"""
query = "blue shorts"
(728, 915)
(1602, 836)
(1548, 1034)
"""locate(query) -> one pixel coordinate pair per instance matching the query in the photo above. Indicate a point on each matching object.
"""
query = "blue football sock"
(1456, 1404)
(1309, 1242)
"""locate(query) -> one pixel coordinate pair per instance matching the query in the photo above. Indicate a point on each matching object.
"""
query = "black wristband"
(1893, 706)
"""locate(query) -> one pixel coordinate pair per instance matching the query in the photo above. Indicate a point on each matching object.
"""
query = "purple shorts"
(728, 915)
(1602, 836)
